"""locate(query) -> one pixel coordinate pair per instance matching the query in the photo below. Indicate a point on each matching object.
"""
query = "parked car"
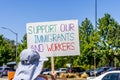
(45, 70)
(99, 71)
(89, 71)
(113, 68)
(0, 74)
(75, 70)
(58, 71)
(4, 70)
(111, 75)
(61, 70)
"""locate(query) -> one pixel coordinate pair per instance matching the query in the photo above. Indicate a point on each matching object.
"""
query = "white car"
(58, 71)
(61, 70)
(46, 73)
(111, 75)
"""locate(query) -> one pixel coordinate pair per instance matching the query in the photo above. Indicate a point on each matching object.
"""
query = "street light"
(16, 38)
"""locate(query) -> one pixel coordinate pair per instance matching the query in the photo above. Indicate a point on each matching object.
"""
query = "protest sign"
(55, 38)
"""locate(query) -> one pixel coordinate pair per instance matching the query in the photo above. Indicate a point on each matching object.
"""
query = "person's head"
(30, 65)
(29, 56)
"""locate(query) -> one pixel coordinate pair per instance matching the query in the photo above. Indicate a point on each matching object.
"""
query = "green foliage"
(110, 39)
(7, 53)
(88, 41)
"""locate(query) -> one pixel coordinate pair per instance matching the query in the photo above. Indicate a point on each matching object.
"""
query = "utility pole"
(95, 30)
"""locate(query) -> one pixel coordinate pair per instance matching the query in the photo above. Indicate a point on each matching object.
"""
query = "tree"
(88, 40)
(7, 50)
(109, 31)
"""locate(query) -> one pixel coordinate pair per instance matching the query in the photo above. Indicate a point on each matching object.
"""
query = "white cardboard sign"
(56, 38)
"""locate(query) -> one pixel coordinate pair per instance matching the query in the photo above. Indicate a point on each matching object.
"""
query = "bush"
(69, 75)
(84, 75)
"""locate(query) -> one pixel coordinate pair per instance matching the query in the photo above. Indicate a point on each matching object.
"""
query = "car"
(61, 70)
(88, 72)
(58, 71)
(45, 70)
(99, 71)
(0, 74)
(113, 68)
(4, 71)
(110, 75)
(75, 70)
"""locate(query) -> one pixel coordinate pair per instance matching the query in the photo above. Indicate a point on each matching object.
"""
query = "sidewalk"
(2, 79)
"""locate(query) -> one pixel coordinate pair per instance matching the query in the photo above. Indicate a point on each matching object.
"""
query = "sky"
(15, 14)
